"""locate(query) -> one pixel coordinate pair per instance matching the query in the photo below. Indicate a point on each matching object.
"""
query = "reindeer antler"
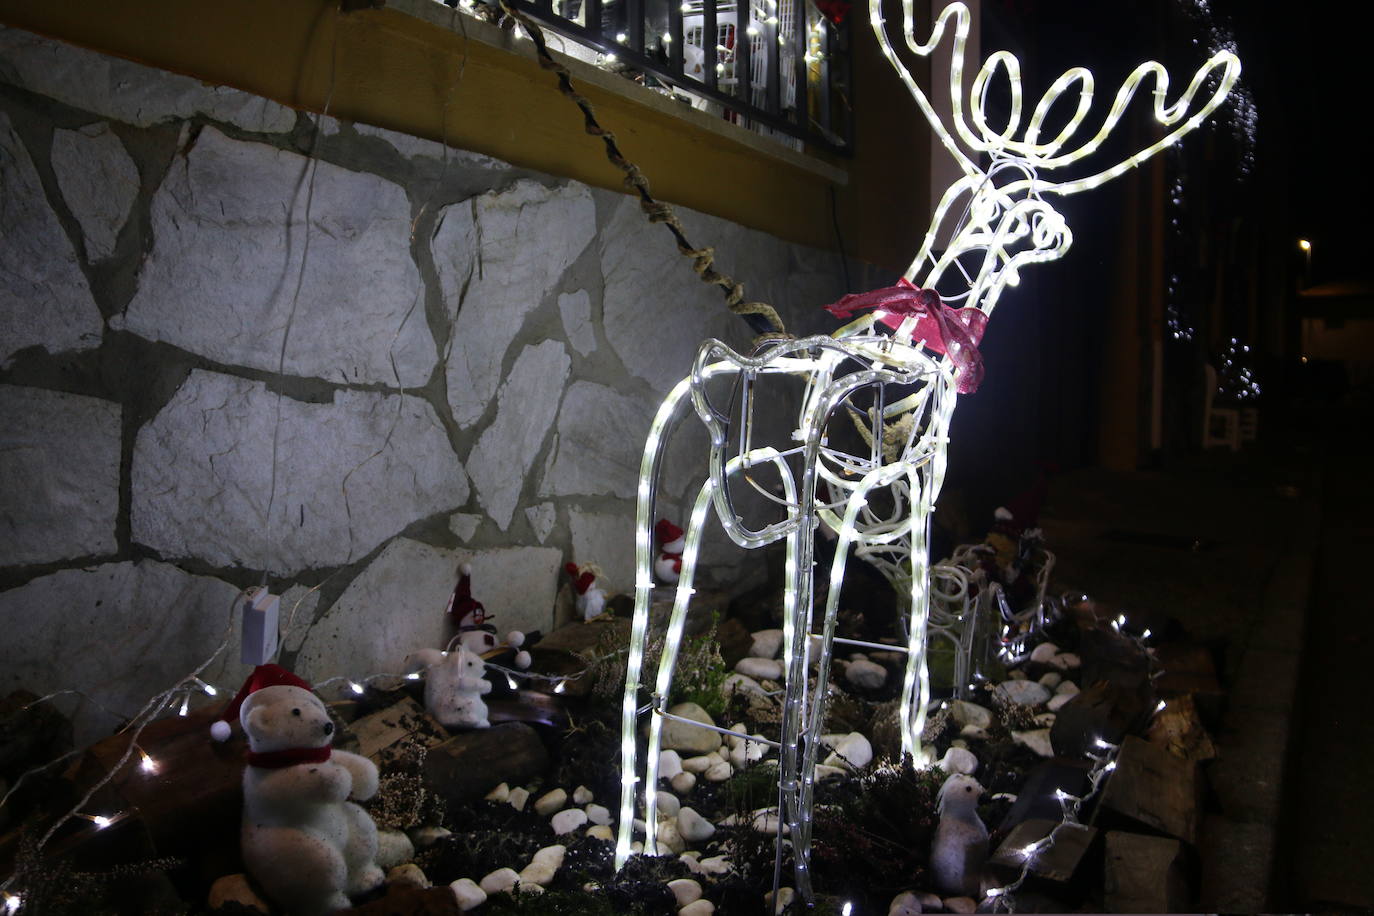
(1043, 156)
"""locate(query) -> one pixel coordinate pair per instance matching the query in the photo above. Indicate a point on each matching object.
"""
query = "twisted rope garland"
(761, 316)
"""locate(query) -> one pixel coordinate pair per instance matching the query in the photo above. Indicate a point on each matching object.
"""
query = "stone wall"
(234, 347)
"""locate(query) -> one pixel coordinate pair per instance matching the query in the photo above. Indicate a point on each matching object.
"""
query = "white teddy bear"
(305, 843)
(454, 686)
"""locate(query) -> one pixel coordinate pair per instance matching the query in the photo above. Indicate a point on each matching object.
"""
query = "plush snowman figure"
(671, 543)
(591, 599)
(304, 842)
(470, 616)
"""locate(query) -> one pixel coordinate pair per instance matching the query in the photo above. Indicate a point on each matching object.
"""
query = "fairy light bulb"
(147, 764)
(12, 903)
(185, 708)
(355, 687)
(413, 676)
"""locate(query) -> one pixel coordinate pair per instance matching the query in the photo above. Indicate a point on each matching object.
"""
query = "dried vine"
(762, 317)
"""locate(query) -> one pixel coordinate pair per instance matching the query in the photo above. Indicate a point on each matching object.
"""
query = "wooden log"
(566, 650)
(1188, 669)
(1036, 798)
(469, 765)
(1151, 788)
(380, 735)
(1102, 710)
(1178, 728)
(1057, 864)
(1144, 874)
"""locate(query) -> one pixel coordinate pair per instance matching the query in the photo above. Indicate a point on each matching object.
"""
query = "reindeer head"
(1005, 221)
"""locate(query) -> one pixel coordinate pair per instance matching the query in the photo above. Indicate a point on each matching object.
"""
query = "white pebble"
(598, 814)
(1067, 689)
(693, 827)
(715, 865)
(825, 772)
(1050, 679)
(744, 686)
(669, 839)
(904, 904)
(550, 802)
(537, 873)
(530, 888)
(669, 764)
(700, 764)
(551, 855)
(966, 713)
(683, 783)
(1059, 701)
(931, 901)
(1067, 661)
(690, 859)
(393, 848)
(668, 804)
(1037, 740)
(568, 820)
(582, 795)
(468, 894)
(698, 908)
(719, 772)
(779, 901)
(735, 739)
(685, 890)
(601, 832)
(499, 794)
(974, 733)
(853, 750)
(959, 760)
(518, 797)
(499, 881)
(1044, 652)
(425, 837)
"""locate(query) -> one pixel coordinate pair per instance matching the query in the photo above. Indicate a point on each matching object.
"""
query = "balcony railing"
(788, 75)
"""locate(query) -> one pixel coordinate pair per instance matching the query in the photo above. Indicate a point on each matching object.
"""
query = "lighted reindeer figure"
(909, 354)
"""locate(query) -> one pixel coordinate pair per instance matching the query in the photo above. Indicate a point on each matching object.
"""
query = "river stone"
(59, 459)
(468, 894)
(683, 782)
(503, 879)
(44, 298)
(99, 182)
(966, 713)
(223, 242)
(685, 890)
(350, 474)
(718, 772)
(668, 805)
(598, 814)
(741, 684)
(1023, 693)
(959, 760)
(1044, 652)
(1050, 679)
(130, 92)
(679, 736)
(702, 907)
(393, 848)
(1067, 688)
(669, 764)
(905, 904)
(498, 256)
(1037, 740)
(509, 447)
(693, 827)
(594, 457)
(1067, 661)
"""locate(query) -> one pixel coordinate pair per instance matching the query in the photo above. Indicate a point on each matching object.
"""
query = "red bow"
(276, 760)
(956, 332)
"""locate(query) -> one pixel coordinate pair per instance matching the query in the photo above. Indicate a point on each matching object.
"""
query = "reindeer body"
(999, 221)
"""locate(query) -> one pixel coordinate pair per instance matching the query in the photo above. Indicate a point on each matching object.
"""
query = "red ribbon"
(954, 332)
(276, 760)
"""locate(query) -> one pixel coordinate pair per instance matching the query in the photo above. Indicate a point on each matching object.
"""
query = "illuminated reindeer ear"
(968, 134)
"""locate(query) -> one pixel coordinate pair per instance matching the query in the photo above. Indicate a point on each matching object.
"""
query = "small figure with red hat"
(469, 616)
(671, 543)
(591, 598)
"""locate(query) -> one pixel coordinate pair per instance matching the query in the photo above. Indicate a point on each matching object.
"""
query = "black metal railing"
(781, 68)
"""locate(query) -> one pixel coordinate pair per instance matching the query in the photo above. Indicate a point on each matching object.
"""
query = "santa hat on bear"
(268, 675)
(461, 604)
(581, 581)
(667, 532)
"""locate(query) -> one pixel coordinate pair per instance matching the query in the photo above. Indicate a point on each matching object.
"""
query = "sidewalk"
(1223, 544)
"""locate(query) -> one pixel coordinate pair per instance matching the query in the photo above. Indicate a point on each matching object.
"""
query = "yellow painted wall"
(385, 68)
